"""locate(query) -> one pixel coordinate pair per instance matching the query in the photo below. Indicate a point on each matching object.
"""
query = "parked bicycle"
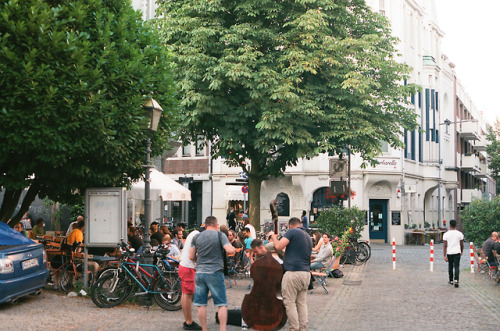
(161, 280)
(357, 252)
(69, 266)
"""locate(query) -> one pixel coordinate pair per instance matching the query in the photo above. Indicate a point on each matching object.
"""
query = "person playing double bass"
(296, 263)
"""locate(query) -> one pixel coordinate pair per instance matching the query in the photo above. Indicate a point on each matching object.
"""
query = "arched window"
(322, 200)
(283, 206)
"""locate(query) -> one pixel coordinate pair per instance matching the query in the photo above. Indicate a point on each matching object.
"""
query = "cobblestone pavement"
(410, 297)
(369, 297)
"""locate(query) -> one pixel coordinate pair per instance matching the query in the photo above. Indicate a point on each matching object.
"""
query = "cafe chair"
(321, 277)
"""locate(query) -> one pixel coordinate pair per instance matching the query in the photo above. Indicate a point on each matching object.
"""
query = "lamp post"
(152, 111)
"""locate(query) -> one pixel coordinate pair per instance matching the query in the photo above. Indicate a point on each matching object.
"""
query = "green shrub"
(480, 218)
(336, 221)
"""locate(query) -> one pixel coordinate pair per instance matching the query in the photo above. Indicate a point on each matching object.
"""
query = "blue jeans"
(213, 283)
(317, 265)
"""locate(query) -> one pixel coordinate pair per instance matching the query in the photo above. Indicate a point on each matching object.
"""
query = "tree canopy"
(73, 78)
(270, 82)
(480, 218)
(493, 150)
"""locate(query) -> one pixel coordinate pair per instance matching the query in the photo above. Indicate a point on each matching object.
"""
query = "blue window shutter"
(412, 156)
(413, 99)
(437, 100)
(420, 100)
(420, 147)
(427, 117)
(406, 143)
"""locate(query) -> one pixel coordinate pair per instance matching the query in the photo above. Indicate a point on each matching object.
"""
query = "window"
(200, 145)
(385, 147)
(186, 150)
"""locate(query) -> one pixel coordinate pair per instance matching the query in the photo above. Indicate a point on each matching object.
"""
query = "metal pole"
(146, 248)
(349, 178)
(439, 182)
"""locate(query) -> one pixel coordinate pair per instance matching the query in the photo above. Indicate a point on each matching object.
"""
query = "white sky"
(472, 42)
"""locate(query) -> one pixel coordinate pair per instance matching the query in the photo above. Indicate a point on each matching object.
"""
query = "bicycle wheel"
(111, 289)
(363, 252)
(69, 277)
(168, 292)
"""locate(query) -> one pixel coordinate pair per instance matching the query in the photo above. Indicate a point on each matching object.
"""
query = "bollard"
(432, 255)
(471, 257)
(393, 254)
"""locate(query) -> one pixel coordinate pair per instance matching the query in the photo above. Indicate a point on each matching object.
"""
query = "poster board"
(105, 217)
(282, 227)
(396, 217)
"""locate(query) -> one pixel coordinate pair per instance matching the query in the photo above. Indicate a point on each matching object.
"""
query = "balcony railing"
(469, 130)
(469, 195)
(470, 163)
(483, 170)
(480, 145)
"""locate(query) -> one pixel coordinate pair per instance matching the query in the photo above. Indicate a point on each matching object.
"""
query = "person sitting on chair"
(325, 254)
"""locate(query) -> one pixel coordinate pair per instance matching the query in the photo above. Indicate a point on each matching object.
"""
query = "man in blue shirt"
(297, 272)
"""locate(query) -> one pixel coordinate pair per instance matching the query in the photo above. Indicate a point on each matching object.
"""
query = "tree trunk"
(28, 199)
(9, 204)
(254, 184)
(10, 201)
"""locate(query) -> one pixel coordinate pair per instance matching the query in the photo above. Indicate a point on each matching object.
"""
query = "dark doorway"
(378, 219)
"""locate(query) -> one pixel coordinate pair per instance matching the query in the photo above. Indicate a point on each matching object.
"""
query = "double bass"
(261, 309)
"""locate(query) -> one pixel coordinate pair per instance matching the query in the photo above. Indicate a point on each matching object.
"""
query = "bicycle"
(71, 269)
(360, 250)
(115, 285)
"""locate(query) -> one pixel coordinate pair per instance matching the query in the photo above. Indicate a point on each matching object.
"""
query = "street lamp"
(152, 110)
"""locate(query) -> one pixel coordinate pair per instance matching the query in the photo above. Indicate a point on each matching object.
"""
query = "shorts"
(187, 279)
(213, 283)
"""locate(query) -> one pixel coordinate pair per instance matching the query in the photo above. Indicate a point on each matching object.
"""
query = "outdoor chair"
(482, 265)
(322, 276)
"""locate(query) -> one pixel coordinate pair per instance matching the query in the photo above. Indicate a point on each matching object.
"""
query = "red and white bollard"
(393, 253)
(471, 257)
(432, 255)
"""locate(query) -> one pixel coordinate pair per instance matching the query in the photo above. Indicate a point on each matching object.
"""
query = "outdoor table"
(416, 237)
(433, 234)
(103, 261)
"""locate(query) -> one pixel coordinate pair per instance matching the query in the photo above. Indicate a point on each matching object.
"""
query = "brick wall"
(187, 166)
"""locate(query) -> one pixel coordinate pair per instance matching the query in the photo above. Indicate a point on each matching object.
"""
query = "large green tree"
(480, 218)
(270, 82)
(493, 150)
(73, 78)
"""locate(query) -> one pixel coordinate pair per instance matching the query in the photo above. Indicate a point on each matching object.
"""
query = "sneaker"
(450, 282)
(192, 326)
(456, 283)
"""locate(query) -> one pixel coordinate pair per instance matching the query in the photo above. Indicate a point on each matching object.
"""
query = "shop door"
(378, 219)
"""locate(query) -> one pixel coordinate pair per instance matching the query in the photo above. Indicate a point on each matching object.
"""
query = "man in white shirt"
(253, 234)
(70, 227)
(452, 249)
